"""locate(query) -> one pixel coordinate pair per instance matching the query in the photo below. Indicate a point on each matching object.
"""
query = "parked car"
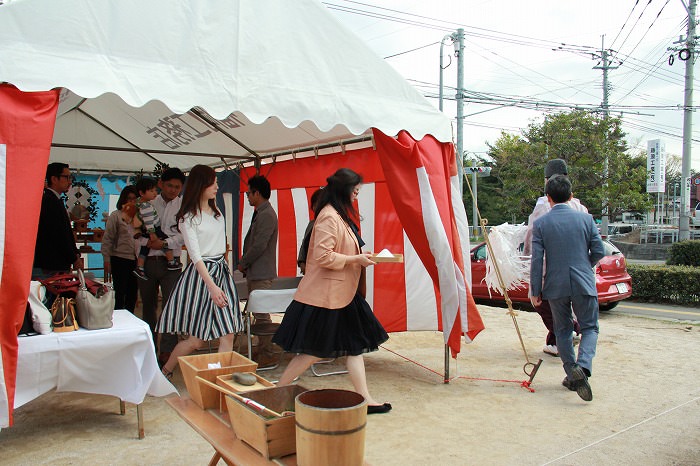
(612, 280)
(695, 215)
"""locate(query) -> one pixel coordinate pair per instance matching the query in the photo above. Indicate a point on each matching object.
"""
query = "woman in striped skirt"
(204, 303)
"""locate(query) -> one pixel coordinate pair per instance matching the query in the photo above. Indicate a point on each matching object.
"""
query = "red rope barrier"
(523, 383)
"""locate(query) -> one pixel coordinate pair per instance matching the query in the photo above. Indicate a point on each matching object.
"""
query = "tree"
(584, 140)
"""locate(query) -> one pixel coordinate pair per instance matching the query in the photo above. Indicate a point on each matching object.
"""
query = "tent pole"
(446, 378)
(80, 110)
(211, 122)
(148, 151)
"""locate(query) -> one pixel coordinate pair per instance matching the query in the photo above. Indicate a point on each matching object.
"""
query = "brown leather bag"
(63, 315)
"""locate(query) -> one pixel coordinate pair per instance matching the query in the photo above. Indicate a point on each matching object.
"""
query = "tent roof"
(151, 80)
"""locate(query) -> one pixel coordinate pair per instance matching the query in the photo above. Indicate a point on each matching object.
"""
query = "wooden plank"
(221, 436)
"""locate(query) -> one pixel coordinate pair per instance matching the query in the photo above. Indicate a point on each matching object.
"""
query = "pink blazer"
(330, 281)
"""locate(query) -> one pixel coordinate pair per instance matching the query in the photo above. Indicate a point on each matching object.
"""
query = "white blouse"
(204, 234)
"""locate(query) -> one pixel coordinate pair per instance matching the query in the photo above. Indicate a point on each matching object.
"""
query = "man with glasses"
(259, 260)
(55, 250)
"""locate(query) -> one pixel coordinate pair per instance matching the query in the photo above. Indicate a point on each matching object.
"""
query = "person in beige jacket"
(329, 316)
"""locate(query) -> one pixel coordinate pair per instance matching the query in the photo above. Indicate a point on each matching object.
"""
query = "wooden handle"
(240, 398)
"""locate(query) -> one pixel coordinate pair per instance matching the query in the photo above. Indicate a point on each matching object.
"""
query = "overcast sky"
(509, 57)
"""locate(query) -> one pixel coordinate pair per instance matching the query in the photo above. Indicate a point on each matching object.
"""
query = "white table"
(119, 361)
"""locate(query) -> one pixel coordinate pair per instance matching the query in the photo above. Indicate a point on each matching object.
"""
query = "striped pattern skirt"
(190, 309)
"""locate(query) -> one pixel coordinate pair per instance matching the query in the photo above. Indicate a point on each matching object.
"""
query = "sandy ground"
(645, 410)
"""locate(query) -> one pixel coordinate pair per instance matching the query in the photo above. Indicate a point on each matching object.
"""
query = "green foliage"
(584, 140)
(155, 174)
(675, 284)
(685, 253)
(159, 169)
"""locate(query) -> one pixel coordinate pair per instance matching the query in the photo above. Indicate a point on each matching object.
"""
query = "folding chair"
(323, 374)
(270, 301)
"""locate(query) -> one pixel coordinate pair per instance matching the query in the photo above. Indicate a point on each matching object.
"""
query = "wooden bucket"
(330, 428)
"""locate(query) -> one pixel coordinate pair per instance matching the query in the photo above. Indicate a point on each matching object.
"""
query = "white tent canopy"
(153, 80)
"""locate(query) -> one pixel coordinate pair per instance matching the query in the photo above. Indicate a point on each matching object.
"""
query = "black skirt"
(330, 333)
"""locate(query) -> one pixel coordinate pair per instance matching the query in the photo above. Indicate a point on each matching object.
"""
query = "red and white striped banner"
(404, 296)
(26, 128)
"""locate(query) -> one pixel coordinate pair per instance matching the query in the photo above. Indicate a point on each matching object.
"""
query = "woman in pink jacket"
(329, 316)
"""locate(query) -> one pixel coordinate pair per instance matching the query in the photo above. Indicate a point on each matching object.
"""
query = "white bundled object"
(385, 253)
(506, 241)
(41, 316)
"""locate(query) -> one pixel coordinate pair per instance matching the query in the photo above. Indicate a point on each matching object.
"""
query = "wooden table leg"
(139, 415)
(122, 407)
(215, 459)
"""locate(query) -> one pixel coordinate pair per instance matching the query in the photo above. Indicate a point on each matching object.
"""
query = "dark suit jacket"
(572, 245)
(260, 245)
(55, 245)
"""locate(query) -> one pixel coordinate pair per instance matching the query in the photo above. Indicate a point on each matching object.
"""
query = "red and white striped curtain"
(26, 128)
(404, 296)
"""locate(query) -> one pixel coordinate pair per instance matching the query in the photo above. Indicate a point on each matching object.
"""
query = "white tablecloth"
(119, 361)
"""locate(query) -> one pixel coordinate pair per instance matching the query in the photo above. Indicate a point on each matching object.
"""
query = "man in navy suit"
(572, 246)
(55, 250)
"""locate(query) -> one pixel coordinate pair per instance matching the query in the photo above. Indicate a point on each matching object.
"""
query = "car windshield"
(480, 253)
(610, 249)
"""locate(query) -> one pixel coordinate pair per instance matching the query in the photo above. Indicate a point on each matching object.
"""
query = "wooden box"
(197, 365)
(226, 382)
(271, 436)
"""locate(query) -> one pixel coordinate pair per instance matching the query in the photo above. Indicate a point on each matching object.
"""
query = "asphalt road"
(657, 311)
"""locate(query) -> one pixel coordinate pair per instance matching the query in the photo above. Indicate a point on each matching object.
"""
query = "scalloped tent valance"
(152, 80)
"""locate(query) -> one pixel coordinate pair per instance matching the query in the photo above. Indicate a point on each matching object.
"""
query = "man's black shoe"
(567, 383)
(580, 382)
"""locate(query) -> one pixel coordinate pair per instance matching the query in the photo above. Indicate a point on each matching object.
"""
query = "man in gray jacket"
(570, 244)
(259, 260)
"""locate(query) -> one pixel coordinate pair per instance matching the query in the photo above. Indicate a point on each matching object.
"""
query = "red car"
(612, 280)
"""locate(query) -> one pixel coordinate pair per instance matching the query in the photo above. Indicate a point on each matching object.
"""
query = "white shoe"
(551, 349)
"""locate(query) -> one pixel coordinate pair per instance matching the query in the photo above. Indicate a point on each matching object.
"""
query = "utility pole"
(605, 59)
(457, 39)
(459, 51)
(684, 218)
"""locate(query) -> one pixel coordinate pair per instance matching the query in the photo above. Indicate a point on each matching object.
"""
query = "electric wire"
(612, 44)
(649, 28)
(635, 24)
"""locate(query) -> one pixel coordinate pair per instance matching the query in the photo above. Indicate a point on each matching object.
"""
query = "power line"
(624, 24)
(635, 24)
(649, 28)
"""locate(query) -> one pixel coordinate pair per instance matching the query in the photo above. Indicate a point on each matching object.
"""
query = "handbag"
(63, 315)
(67, 284)
(27, 326)
(94, 310)
(41, 316)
